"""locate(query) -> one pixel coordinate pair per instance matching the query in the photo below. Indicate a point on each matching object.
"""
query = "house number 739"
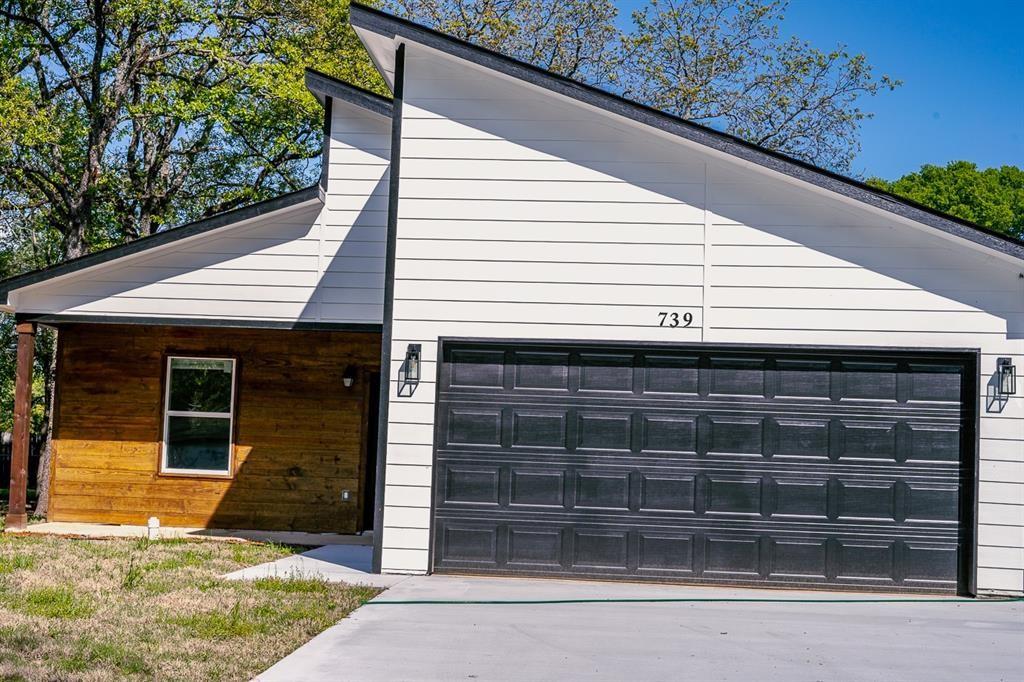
(675, 319)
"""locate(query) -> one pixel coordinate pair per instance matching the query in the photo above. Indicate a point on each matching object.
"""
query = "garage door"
(769, 467)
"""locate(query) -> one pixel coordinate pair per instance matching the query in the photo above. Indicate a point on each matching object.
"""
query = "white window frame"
(168, 413)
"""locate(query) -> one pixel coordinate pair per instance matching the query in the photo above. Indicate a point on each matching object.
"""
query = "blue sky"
(962, 67)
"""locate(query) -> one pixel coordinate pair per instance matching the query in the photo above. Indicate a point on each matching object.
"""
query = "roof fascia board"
(371, 20)
(324, 86)
(57, 319)
(235, 217)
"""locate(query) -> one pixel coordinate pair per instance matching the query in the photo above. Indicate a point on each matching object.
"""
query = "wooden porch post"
(17, 519)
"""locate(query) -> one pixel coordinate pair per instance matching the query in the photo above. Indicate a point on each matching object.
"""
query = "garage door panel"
(733, 495)
(661, 492)
(468, 484)
(474, 427)
(803, 379)
(606, 372)
(607, 550)
(802, 438)
(537, 487)
(602, 490)
(538, 429)
(673, 375)
(669, 433)
(801, 497)
(736, 376)
(798, 558)
(546, 371)
(735, 435)
(536, 548)
(867, 439)
(866, 561)
(772, 467)
(665, 554)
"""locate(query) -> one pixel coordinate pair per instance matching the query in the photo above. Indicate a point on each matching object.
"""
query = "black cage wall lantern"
(409, 372)
(349, 377)
(1006, 375)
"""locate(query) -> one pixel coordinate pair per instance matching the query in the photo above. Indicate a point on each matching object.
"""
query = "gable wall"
(524, 215)
(311, 263)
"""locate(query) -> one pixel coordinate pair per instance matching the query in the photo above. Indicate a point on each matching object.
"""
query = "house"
(608, 343)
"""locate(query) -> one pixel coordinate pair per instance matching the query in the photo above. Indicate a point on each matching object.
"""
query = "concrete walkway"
(350, 564)
(794, 641)
(104, 530)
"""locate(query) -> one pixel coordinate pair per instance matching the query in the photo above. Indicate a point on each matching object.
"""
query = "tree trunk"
(74, 246)
(46, 456)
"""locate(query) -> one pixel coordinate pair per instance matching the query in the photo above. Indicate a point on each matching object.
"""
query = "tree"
(724, 64)
(574, 38)
(118, 117)
(717, 62)
(992, 198)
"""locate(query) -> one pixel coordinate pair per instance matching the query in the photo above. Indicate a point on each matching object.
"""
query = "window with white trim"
(198, 416)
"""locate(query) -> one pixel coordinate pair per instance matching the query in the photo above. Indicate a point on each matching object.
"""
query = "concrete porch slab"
(104, 530)
(334, 563)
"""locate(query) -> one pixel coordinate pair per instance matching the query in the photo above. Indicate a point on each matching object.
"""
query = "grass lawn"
(124, 609)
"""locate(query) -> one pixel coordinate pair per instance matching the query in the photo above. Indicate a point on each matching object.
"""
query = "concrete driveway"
(816, 640)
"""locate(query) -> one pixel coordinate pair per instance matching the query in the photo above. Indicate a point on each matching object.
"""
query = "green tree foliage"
(574, 38)
(722, 63)
(120, 116)
(992, 198)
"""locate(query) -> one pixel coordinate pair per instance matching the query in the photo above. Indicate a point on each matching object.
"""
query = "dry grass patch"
(129, 609)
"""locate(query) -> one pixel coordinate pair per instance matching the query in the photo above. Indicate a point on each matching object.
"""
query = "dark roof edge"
(391, 26)
(160, 239)
(322, 85)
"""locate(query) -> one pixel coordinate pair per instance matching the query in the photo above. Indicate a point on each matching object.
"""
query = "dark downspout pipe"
(389, 304)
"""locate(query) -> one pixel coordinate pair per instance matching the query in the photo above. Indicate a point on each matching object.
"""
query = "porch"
(208, 427)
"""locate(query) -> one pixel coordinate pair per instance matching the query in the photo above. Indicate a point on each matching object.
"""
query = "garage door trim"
(970, 357)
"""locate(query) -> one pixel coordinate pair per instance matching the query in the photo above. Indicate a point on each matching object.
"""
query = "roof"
(392, 27)
(324, 86)
(160, 239)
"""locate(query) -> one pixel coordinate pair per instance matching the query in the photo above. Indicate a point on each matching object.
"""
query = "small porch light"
(1006, 375)
(409, 372)
(349, 377)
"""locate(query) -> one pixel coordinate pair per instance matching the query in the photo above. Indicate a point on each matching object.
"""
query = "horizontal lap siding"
(312, 263)
(523, 215)
(298, 443)
(871, 285)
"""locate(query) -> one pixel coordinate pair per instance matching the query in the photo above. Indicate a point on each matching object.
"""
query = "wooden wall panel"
(299, 432)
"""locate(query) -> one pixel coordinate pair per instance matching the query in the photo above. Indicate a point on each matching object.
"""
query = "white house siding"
(310, 263)
(526, 215)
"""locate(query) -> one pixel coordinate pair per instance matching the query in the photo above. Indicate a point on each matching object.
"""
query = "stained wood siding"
(311, 263)
(299, 433)
(525, 215)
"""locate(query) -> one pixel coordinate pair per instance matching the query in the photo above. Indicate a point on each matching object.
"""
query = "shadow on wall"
(302, 433)
(351, 284)
(275, 268)
(299, 432)
(785, 257)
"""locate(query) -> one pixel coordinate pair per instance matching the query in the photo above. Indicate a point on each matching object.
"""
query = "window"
(198, 416)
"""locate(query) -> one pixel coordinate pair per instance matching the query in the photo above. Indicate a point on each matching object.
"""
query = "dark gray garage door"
(774, 467)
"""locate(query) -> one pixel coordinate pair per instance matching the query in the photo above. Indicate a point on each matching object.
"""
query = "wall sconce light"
(349, 377)
(409, 372)
(1006, 375)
